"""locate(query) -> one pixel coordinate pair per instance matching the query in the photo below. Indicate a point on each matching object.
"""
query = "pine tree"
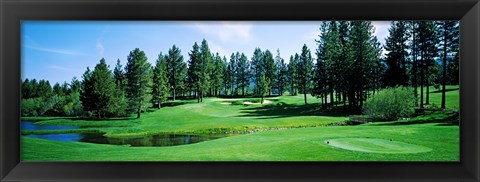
(138, 77)
(320, 88)
(57, 89)
(206, 69)
(304, 70)
(194, 70)
(232, 69)
(293, 74)
(217, 74)
(174, 69)
(243, 72)
(448, 31)
(333, 52)
(98, 88)
(396, 45)
(269, 68)
(428, 40)
(160, 82)
(361, 54)
(257, 68)
(262, 86)
(281, 73)
(44, 89)
(119, 75)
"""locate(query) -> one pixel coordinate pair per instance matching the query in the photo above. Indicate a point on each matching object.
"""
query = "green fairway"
(282, 129)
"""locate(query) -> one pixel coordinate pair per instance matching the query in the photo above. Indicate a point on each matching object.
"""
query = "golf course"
(313, 91)
(283, 128)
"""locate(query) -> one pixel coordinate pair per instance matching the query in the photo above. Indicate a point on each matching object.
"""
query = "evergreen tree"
(332, 54)
(98, 88)
(174, 69)
(428, 41)
(194, 70)
(206, 69)
(119, 75)
(243, 72)
(262, 86)
(269, 68)
(304, 70)
(281, 73)
(75, 85)
(396, 45)
(57, 89)
(257, 68)
(44, 89)
(320, 89)
(361, 54)
(226, 75)
(217, 74)
(137, 72)
(160, 82)
(449, 33)
(232, 69)
(293, 74)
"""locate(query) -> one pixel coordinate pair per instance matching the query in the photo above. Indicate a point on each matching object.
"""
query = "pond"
(70, 137)
(150, 140)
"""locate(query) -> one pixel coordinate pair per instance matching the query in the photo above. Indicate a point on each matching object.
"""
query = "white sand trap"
(221, 99)
(264, 102)
(226, 103)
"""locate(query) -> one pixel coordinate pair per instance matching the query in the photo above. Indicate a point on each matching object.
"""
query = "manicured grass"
(302, 144)
(451, 95)
(213, 116)
(282, 129)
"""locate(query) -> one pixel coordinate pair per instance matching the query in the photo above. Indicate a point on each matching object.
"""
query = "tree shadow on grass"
(283, 110)
(446, 90)
(443, 119)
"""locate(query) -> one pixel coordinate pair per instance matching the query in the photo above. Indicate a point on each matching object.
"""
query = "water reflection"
(152, 140)
(30, 125)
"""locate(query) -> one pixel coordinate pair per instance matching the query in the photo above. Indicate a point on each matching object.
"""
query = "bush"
(391, 104)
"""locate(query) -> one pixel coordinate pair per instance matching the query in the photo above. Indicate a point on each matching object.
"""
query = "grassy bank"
(282, 129)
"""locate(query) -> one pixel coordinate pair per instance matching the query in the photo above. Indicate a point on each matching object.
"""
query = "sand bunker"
(252, 103)
(226, 103)
(376, 145)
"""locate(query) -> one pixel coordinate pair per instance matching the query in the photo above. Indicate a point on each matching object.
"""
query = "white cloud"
(60, 68)
(226, 31)
(53, 50)
(99, 46)
(214, 48)
(381, 30)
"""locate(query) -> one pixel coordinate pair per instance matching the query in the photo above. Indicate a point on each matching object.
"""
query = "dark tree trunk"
(427, 83)
(332, 98)
(422, 67)
(444, 76)
(305, 94)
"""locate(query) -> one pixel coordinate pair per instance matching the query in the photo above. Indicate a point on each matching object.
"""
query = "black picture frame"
(12, 12)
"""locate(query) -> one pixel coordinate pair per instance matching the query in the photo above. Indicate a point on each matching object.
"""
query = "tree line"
(348, 68)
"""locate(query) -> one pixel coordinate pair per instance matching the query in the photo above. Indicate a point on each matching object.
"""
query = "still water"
(150, 140)
(70, 137)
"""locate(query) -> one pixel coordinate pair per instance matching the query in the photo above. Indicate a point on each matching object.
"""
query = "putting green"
(376, 145)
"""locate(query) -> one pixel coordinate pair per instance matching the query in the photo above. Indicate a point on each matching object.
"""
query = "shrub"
(391, 104)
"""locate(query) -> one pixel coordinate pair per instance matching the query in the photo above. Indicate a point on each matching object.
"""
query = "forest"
(350, 98)
(347, 67)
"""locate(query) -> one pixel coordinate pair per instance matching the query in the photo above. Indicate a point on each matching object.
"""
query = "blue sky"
(57, 51)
